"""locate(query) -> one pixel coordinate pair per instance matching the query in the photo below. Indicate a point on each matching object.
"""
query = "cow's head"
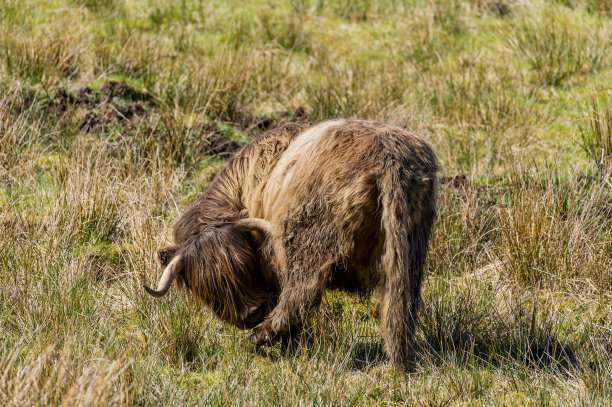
(221, 267)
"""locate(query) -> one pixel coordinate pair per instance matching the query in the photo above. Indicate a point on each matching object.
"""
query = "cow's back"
(335, 166)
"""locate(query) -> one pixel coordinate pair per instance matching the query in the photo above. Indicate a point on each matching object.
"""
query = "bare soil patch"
(102, 107)
(119, 103)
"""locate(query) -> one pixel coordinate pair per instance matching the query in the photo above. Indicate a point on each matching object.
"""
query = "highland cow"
(345, 204)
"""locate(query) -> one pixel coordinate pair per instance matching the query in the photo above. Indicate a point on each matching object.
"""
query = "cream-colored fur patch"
(298, 152)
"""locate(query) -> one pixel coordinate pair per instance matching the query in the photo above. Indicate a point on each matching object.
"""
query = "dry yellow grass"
(513, 95)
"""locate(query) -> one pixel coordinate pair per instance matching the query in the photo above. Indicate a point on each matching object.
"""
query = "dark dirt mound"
(222, 146)
(119, 103)
(257, 125)
(86, 96)
(129, 112)
(121, 89)
(90, 121)
(99, 111)
(109, 113)
(212, 141)
(252, 124)
(63, 99)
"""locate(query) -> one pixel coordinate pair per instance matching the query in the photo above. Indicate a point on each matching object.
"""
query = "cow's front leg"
(298, 299)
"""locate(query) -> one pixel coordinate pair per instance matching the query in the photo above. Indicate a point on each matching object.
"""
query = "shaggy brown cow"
(345, 204)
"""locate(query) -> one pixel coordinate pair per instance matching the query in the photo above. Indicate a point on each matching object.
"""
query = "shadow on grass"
(464, 330)
(533, 350)
(366, 353)
(465, 336)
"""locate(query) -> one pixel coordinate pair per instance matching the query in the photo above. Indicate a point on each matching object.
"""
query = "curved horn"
(167, 278)
(256, 225)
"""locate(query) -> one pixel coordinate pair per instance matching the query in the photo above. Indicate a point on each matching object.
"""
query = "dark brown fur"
(353, 210)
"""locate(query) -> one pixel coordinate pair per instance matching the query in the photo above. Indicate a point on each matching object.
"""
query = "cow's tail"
(408, 201)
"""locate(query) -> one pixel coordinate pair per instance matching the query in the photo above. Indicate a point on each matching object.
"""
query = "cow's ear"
(165, 255)
(257, 225)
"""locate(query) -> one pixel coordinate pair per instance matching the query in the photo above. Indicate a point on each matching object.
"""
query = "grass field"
(116, 114)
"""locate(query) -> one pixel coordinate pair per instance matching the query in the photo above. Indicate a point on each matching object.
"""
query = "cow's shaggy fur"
(345, 204)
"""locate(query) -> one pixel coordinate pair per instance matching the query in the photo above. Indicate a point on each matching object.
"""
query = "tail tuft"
(408, 214)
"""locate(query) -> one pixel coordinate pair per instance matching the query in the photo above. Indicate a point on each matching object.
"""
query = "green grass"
(518, 286)
(596, 134)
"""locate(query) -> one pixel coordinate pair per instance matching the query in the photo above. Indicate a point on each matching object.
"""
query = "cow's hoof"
(263, 337)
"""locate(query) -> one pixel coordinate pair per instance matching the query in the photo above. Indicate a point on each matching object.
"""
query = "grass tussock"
(557, 46)
(596, 134)
(44, 58)
(115, 115)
